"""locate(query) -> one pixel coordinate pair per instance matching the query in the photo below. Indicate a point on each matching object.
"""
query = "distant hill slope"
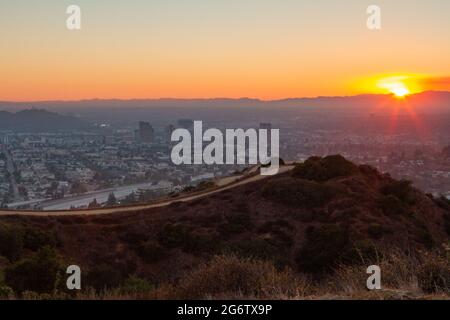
(36, 120)
(325, 212)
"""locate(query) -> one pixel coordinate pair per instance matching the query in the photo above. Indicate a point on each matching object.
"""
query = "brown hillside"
(324, 212)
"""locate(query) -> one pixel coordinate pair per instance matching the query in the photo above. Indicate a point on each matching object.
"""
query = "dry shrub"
(402, 277)
(434, 275)
(398, 272)
(229, 277)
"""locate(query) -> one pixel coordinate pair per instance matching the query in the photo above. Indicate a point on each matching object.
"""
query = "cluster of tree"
(111, 202)
(53, 192)
(78, 188)
(30, 260)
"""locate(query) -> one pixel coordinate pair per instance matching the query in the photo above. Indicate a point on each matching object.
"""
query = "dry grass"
(398, 269)
(226, 277)
(231, 277)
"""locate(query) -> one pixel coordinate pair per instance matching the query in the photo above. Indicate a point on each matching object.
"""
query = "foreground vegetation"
(232, 277)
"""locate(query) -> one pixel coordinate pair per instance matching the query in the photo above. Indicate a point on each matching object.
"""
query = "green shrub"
(424, 235)
(34, 239)
(369, 170)
(241, 206)
(262, 249)
(337, 166)
(11, 242)
(377, 231)
(135, 285)
(298, 192)
(104, 276)
(134, 233)
(443, 203)
(188, 189)
(242, 219)
(447, 222)
(323, 169)
(281, 238)
(278, 224)
(392, 206)
(402, 190)
(198, 243)
(6, 292)
(151, 251)
(39, 273)
(182, 236)
(311, 169)
(322, 249)
(174, 235)
(343, 215)
(235, 224)
(279, 232)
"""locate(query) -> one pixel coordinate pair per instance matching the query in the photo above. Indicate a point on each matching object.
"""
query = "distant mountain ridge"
(431, 109)
(424, 102)
(37, 120)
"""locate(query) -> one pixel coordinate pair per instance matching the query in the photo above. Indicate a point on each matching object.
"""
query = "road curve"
(159, 204)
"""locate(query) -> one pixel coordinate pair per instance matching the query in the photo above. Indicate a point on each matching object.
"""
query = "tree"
(131, 198)
(51, 191)
(5, 201)
(94, 204)
(78, 188)
(112, 201)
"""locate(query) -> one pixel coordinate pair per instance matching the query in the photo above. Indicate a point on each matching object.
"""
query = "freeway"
(221, 186)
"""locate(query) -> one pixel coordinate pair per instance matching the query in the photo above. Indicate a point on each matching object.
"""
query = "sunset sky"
(266, 49)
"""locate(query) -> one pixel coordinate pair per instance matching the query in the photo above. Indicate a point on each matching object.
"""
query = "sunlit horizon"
(399, 93)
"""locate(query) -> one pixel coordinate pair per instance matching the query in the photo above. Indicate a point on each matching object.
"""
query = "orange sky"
(258, 48)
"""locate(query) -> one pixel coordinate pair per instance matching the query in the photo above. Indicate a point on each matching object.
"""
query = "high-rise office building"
(145, 133)
(168, 132)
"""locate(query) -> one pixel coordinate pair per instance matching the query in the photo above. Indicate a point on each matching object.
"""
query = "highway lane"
(160, 204)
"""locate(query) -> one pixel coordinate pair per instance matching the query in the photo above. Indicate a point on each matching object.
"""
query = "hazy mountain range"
(75, 114)
(429, 101)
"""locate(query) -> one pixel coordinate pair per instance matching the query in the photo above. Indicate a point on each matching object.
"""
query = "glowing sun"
(400, 91)
(395, 85)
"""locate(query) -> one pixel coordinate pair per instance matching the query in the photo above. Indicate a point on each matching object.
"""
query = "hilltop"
(324, 215)
(39, 120)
